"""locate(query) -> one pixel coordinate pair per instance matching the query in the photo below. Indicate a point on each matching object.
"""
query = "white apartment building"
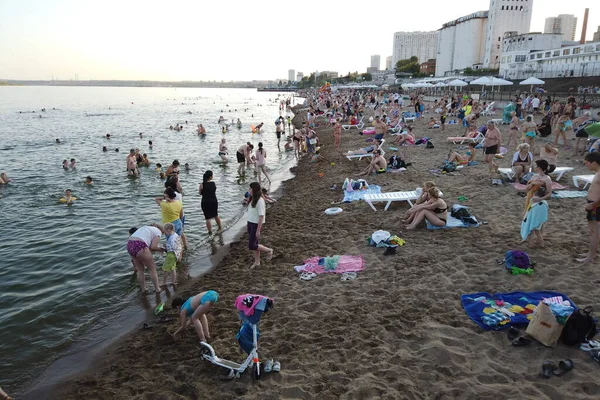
(542, 56)
(423, 45)
(388, 63)
(475, 40)
(375, 62)
(299, 76)
(291, 75)
(564, 24)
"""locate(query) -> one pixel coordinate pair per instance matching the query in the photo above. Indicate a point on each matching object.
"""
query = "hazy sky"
(221, 40)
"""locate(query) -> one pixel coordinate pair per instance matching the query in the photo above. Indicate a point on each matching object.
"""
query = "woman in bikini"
(193, 311)
(434, 210)
(261, 162)
(297, 140)
(407, 137)
(458, 158)
(522, 161)
(514, 129)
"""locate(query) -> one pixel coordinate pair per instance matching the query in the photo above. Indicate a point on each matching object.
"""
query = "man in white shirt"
(535, 104)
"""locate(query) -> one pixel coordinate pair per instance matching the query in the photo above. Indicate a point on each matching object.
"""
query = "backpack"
(396, 162)
(429, 145)
(449, 167)
(516, 258)
(580, 327)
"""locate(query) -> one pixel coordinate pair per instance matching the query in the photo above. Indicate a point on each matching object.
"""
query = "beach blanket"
(335, 264)
(508, 309)
(555, 186)
(360, 194)
(569, 194)
(451, 223)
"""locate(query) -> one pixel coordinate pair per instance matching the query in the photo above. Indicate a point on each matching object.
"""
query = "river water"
(65, 271)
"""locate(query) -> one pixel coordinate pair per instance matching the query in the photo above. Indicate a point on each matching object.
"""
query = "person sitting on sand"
(378, 165)
(193, 311)
(522, 161)
(423, 196)
(4, 179)
(470, 154)
(434, 210)
(407, 137)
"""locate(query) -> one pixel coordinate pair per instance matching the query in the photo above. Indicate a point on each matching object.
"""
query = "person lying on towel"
(378, 164)
(365, 150)
(458, 158)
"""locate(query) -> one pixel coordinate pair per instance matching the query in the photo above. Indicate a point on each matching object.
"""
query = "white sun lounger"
(462, 140)
(361, 156)
(587, 179)
(390, 197)
(360, 125)
(558, 171)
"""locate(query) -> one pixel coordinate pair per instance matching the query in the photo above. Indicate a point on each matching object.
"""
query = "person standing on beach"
(337, 134)
(243, 156)
(380, 128)
(592, 162)
(491, 145)
(261, 162)
(140, 246)
(171, 210)
(132, 169)
(256, 218)
(209, 204)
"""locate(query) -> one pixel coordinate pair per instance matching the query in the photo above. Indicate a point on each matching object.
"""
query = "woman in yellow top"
(171, 209)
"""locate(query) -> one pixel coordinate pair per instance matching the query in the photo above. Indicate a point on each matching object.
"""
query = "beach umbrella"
(406, 85)
(532, 81)
(490, 81)
(441, 84)
(457, 82)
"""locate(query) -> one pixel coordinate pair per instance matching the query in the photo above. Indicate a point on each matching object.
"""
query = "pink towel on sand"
(555, 186)
(345, 264)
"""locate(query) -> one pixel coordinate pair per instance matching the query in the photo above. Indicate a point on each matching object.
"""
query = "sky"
(206, 40)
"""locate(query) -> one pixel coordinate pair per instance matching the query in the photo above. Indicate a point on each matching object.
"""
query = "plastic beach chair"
(462, 140)
(361, 156)
(508, 172)
(360, 125)
(390, 197)
(560, 171)
(587, 179)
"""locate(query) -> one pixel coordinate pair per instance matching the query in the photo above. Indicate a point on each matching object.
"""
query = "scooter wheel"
(256, 371)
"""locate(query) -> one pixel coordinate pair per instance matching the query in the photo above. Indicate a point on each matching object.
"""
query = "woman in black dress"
(209, 204)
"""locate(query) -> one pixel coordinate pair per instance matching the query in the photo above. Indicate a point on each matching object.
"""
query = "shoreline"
(106, 338)
(398, 330)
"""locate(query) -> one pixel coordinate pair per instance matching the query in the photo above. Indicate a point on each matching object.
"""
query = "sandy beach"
(397, 331)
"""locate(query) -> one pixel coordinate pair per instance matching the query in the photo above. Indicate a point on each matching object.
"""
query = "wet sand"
(398, 330)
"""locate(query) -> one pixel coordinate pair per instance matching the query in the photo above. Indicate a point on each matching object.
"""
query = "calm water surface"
(65, 269)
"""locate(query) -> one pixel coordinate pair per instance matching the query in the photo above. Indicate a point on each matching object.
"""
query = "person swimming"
(88, 180)
(68, 198)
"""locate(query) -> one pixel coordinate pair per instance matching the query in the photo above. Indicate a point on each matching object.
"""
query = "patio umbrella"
(532, 81)
(490, 81)
(441, 84)
(457, 82)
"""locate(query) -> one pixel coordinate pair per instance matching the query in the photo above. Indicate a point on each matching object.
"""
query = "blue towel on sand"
(476, 302)
(360, 194)
(534, 219)
(451, 223)
(569, 194)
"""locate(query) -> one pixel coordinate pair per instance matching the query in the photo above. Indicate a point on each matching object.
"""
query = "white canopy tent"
(532, 81)
(457, 82)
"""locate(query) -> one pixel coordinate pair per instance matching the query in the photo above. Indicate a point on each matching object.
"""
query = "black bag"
(429, 145)
(396, 162)
(579, 328)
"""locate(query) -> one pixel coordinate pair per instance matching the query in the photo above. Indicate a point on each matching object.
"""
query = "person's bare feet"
(254, 266)
(269, 256)
(586, 260)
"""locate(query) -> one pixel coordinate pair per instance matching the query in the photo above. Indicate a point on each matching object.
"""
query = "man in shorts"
(592, 208)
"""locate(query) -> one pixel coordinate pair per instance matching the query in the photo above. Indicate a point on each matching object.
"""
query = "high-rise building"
(565, 24)
(423, 45)
(475, 40)
(388, 63)
(375, 62)
(596, 36)
(504, 16)
(291, 75)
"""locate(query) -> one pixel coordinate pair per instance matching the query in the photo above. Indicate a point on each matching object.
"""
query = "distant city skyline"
(189, 40)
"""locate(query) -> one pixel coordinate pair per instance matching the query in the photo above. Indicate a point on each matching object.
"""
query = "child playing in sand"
(193, 311)
(268, 199)
(173, 249)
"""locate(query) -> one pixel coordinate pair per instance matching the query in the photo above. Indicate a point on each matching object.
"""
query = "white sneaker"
(268, 366)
